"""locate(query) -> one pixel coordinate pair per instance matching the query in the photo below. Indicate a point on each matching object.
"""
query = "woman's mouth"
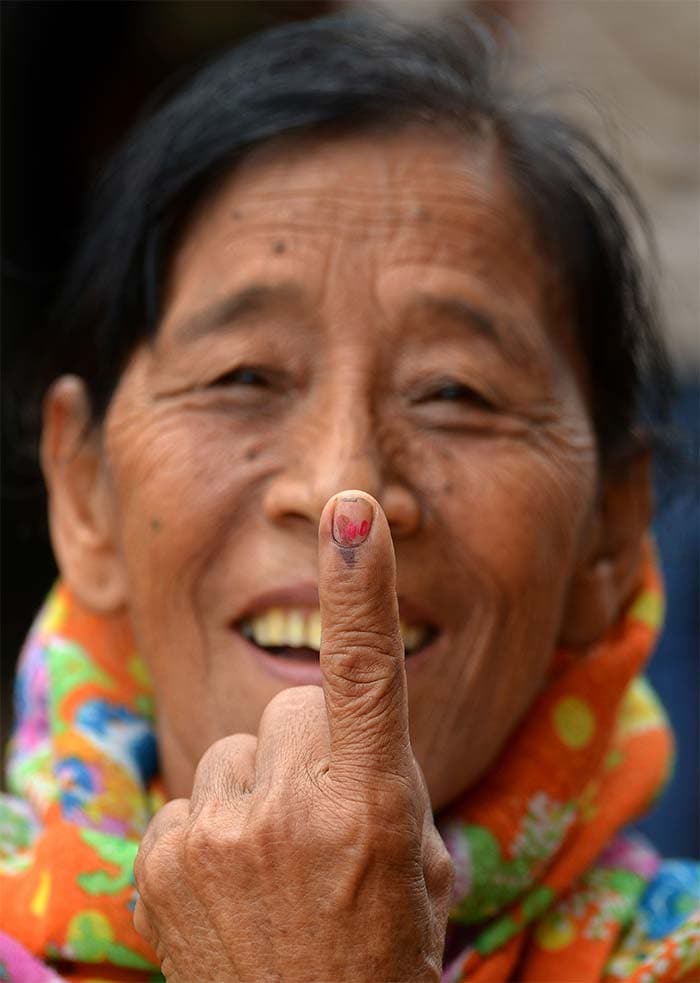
(295, 633)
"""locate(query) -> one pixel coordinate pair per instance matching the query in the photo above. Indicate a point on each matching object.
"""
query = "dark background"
(74, 76)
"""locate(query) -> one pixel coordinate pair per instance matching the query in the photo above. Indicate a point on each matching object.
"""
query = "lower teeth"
(288, 652)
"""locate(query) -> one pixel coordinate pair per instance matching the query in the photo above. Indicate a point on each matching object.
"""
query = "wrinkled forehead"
(417, 200)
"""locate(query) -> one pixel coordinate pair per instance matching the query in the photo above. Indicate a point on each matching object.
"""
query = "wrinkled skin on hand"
(309, 853)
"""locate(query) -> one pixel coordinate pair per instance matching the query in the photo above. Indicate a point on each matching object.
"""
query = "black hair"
(351, 71)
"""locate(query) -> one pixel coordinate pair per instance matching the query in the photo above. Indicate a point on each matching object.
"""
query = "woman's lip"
(305, 672)
(303, 595)
(295, 672)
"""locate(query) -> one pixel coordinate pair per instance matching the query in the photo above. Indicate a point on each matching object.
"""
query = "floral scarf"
(546, 889)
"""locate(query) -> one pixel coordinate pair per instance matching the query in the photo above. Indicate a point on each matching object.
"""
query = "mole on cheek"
(279, 247)
(251, 453)
(156, 525)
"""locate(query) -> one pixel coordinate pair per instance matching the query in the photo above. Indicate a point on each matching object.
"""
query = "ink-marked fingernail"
(352, 521)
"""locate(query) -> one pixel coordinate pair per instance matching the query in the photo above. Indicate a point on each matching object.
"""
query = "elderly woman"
(349, 495)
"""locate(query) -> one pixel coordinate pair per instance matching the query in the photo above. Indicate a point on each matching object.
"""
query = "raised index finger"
(362, 654)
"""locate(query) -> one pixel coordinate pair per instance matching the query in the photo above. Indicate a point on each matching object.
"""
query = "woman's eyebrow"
(249, 302)
(499, 331)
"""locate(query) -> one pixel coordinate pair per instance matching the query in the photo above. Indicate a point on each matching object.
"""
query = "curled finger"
(142, 923)
(173, 815)
(226, 771)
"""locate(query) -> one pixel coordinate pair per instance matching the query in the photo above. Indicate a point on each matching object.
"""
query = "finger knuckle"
(142, 922)
(221, 752)
(205, 841)
(281, 826)
(215, 841)
(167, 965)
(289, 703)
(357, 668)
(372, 602)
(153, 872)
(445, 870)
(139, 870)
(224, 771)
(362, 635)
(440, 869)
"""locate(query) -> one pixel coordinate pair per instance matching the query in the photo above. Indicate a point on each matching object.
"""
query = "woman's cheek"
(183, 462)
(492, 506)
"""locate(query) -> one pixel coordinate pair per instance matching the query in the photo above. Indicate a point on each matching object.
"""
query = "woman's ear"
(612, 556)
(80, 512)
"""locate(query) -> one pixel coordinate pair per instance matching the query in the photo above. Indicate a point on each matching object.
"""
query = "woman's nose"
(334, 456)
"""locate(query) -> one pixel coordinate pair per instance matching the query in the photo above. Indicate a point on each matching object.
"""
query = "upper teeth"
(302, 629)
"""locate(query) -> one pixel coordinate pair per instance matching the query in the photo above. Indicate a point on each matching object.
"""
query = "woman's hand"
(309, 853)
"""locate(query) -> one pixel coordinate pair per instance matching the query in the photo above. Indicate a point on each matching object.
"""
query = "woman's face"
(368, 312)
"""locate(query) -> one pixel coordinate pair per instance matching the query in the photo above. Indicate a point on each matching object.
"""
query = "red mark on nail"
(350, 530)
(351, 525)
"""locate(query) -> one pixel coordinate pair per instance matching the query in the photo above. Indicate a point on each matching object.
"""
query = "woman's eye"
(243, 376)
(456, 392)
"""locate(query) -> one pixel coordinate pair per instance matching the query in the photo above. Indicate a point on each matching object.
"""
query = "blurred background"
(76, 74)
